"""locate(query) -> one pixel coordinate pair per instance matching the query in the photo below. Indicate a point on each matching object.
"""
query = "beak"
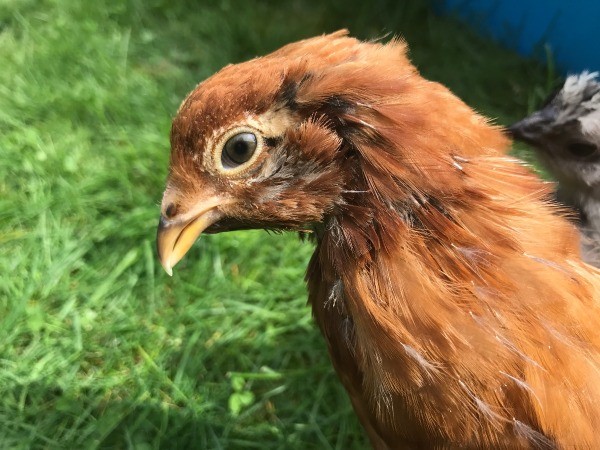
(532, 128)
(175, 236)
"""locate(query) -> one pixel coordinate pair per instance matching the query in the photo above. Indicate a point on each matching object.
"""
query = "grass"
(98, 347)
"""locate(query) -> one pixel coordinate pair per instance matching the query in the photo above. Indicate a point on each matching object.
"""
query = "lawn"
(99, 348)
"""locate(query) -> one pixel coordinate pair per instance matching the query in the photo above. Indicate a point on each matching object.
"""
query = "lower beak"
(175, 237)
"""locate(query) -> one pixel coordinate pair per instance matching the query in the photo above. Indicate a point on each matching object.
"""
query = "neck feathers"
(430, 266)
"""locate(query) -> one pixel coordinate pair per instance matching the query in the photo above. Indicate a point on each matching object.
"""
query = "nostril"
(171, 210)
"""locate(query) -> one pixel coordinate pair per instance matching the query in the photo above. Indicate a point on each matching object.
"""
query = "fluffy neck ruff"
(423, 287)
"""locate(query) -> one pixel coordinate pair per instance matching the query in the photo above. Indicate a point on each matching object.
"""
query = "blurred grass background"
(98, 347)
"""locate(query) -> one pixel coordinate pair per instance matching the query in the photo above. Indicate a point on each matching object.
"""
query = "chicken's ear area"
(175, 236)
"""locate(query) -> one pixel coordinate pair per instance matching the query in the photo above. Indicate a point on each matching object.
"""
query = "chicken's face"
(566, 131)
(242, 157)
(325, 128)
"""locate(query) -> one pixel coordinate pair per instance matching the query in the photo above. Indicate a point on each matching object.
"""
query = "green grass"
(98, 347)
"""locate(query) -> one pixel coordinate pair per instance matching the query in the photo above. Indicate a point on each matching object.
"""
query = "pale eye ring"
(238, 149)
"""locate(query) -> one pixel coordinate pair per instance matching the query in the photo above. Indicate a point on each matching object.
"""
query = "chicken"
(566, 134)
(447, 285)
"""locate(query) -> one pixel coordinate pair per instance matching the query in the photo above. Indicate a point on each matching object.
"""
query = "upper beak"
(175, 236)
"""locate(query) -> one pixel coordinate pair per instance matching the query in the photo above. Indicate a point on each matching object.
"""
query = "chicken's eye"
(581, 149)
(238, 149)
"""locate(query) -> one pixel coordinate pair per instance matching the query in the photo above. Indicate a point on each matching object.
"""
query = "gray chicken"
(565, 131)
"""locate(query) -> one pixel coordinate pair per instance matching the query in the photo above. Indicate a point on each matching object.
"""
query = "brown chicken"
(448, 286)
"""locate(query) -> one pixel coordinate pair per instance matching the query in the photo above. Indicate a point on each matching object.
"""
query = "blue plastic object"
(570, 28)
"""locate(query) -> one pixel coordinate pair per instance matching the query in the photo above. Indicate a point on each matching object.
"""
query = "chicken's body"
(448, 288)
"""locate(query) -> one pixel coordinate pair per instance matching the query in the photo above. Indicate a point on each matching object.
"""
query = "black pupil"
(581, 149)
(238, 149)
